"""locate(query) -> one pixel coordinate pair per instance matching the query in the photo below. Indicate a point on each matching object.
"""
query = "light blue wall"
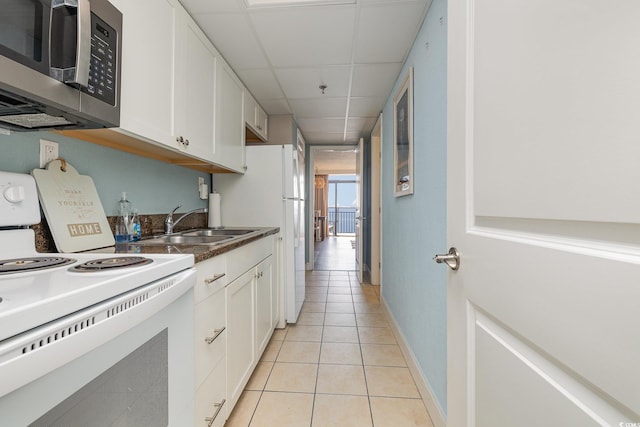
(414, 227)
(152, 187)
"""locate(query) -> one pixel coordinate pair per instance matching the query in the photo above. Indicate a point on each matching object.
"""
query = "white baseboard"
(428, 397)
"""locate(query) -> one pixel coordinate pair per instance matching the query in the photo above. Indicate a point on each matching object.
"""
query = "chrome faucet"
(169, 223)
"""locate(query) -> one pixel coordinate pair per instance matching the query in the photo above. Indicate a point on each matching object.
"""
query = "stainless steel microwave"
(59, 64)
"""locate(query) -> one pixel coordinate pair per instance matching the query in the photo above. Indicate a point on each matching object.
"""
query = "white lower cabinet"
(234, 320)
(240, 347)
(264, 290)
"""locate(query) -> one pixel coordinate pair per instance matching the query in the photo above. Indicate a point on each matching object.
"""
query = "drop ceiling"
(283, 54)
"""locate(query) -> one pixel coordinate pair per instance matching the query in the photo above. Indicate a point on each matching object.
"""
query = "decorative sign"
(72, 207)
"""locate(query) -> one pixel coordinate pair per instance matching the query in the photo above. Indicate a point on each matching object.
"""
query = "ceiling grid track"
(351, 71)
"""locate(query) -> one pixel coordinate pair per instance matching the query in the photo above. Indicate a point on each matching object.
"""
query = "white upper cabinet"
(229, 119)
(255, 118)
(178, 93)
(195, 71)
(148, 57)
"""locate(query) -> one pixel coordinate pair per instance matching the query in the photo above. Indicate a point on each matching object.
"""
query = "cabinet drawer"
(210, 399)
(248, 256)
(212, 276)
(210, 334)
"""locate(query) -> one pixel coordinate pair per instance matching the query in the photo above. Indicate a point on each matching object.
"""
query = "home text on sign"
(87, 229)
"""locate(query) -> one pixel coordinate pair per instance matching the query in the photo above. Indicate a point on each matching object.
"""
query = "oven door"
(127, 361)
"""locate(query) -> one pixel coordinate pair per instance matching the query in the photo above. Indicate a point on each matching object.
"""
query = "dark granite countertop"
(200, 252)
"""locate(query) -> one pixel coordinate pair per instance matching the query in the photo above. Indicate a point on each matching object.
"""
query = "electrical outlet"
(48, 152)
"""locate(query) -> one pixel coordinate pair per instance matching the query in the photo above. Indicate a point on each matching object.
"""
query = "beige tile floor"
(340, 365)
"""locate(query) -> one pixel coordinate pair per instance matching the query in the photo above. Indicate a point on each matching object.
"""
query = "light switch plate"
(48, 152)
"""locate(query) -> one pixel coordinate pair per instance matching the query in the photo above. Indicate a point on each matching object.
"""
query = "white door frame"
(375, 215)
(360, 218)
(313, 149)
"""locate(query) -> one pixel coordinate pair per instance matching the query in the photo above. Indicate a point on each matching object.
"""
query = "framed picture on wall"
(403, 137)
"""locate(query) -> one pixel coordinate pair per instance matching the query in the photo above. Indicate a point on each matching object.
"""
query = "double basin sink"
(201, 236)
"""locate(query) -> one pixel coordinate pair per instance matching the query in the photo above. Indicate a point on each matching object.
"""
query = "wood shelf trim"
(119, 140)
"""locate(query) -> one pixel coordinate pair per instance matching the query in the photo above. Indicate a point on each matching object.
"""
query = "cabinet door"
(262, 120)
(276, 289)
(147, 69)
(249, 109)
(240, 334)
(229, 119)
(264, 290)
(195, 85)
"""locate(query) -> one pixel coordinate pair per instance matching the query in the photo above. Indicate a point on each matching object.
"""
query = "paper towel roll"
(214, 210)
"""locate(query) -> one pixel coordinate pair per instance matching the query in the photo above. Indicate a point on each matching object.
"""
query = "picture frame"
(403, 137)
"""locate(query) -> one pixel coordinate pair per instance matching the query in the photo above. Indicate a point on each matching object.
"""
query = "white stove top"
(31, 298)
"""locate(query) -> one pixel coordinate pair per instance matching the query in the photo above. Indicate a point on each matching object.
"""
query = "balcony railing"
(342, 220)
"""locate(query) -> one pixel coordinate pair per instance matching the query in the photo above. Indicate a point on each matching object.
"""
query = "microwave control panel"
(104, 66)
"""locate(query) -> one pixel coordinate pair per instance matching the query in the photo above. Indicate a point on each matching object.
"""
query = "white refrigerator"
(271, 193)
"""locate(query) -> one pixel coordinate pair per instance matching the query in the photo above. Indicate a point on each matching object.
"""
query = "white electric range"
(67, 320)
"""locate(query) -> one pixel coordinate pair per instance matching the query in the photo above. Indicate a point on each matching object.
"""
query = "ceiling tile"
(305, 82)
(374, 79)
(303, 36)
(321, 124)
(387, 31)
(370, 2)
(261, 83)
(354, 137)
(228, 32)
(358, 124)
(366, 107)
(275, 106)
(327, 107)
(324, 137)
(208, 6)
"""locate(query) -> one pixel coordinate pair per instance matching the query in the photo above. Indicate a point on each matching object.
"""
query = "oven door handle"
(78, 72)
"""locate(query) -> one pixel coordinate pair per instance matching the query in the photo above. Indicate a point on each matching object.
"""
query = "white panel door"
(544, 206)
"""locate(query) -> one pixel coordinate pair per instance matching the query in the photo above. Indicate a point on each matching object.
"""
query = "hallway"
(335, 253)
(340, 365)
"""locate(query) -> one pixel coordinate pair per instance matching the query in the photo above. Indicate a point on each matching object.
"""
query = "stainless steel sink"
(180, 239)
(218, 232)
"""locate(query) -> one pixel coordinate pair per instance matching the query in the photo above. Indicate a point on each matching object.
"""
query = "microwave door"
(24, 33)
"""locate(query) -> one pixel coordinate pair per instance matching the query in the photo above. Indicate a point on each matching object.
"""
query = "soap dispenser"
(123, 224)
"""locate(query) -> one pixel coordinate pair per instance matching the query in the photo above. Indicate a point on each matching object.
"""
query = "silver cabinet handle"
(218, 406)
(215, 277)
(452, 259)
(183, 141)
(216, 334)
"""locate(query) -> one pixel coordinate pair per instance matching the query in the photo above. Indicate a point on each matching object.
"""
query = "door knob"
(452, 259)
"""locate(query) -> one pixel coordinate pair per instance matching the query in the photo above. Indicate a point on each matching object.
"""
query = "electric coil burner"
(110, 264)
(20, 265)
